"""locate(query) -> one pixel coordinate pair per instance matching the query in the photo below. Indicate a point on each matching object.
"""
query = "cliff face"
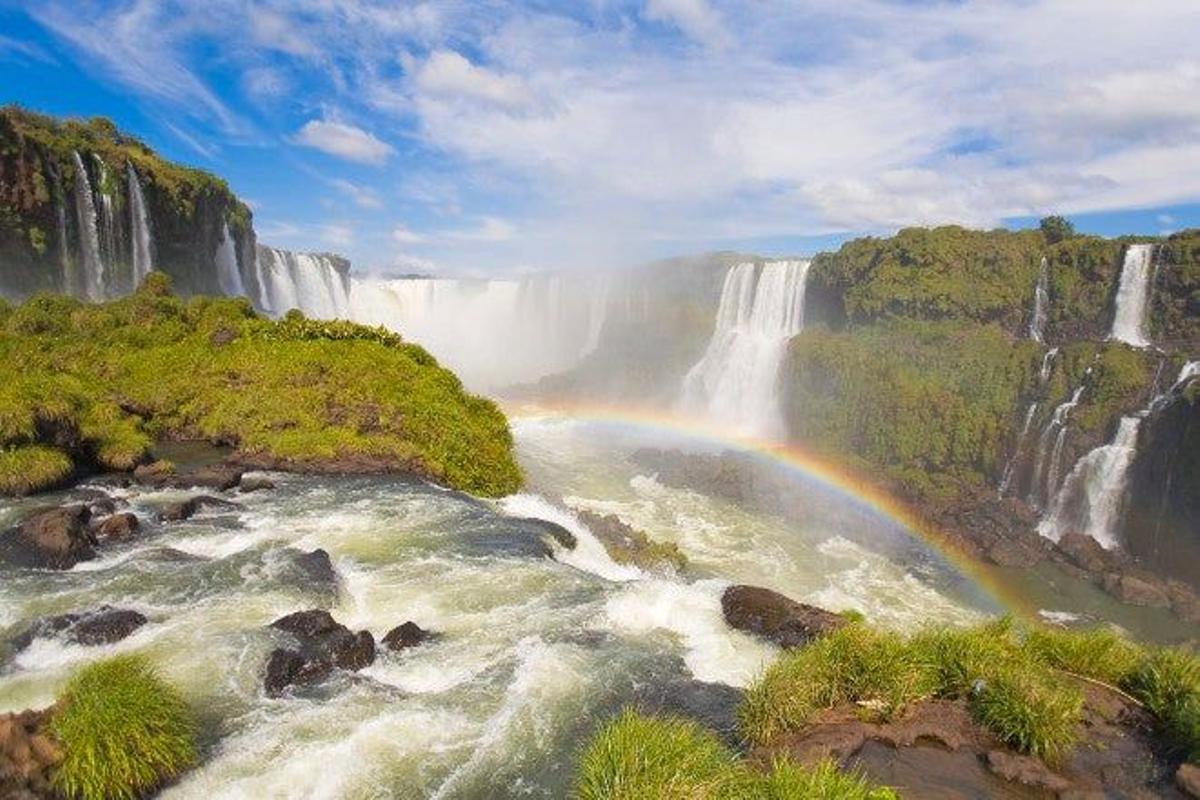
(88, 211)
(930, 359)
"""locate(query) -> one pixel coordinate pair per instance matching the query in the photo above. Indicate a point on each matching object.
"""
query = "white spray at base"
(735, 383)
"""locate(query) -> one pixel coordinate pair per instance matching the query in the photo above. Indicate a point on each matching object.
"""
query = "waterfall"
(1047, 364)
(1041, 297)
(1133, 296)
(139, 225)
(1093, 494)
(229, 277)
(107, 216)
(310, 282)
(89, 235)
(1055, 431)
(1010, 467)
(735, 381)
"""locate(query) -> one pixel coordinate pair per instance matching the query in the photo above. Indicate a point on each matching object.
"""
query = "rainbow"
(827, 472)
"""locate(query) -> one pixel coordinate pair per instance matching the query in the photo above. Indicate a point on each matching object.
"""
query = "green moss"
(123, 732)
(308, 392)
(28, 468)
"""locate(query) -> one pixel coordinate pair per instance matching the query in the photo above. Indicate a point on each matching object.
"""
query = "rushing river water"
(535, 650)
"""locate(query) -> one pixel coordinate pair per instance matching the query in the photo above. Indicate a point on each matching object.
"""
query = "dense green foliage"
(933, 274)
(635, 757)
(1175, 317)
(100, 383)
(929, 403)
(123, 732)
(1020, 682)
(1056, 228)
(1083, 273)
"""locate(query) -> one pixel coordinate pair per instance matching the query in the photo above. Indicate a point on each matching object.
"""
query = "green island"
(95, 386)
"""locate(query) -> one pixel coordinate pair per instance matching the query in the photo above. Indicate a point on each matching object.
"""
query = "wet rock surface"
(27, 756)
(627, 545)
(316, 566)
(163, 474)
(406, 635)
(255, 483)
(185, 509)
(713, 705)
(322, 645)
(56, 538)
(772, 616)
(103, 625)
(117, 527)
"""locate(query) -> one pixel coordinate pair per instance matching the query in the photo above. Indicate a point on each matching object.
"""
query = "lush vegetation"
(98, 384)
(636, 757)
(1176, 305)
(1056, 229)
(1021, 684)
(123, 732)
(928, 403)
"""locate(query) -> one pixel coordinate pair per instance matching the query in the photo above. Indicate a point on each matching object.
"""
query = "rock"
(103, 625)
(713, 705)
(117, 527)
(185, 509)
(317, 566)
(627, 545)
(221, 477)
(778, 619)
(158, 473)
(27, 756)
(407, 635)
(556, 532)
(323, 645)
(1025, 770)
(1187, 778)
(1184, 601)
(56, 538)
(255, 483)
(1136, 590)
(1014, 553)
(1085, 552)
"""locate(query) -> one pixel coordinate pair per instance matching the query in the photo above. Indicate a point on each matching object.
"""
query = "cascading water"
(1047, 365)
(1045, 459)
(1133, 296)
(89, 235)
(1010, 468)
(229, 276)
(1092, 495)
(107, 216)
(1041, 298)
(735, 382)
(310, 282)
(139, 225)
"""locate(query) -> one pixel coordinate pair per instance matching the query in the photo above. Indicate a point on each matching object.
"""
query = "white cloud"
(448, 73)
(696, 18)
(336, 234)
(344, 141)
(489, 229)
(403, 235)
(363, 196)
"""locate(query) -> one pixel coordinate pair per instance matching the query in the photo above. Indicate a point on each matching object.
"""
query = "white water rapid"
(139, 225)
(1093, 494)
(1133, 296)
(735, 383)
(89, 234)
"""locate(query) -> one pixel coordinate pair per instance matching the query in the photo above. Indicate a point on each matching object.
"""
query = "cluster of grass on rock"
(123, 732)
(1024, 684)
(96, 385)
(637, 757)
(1021, 684)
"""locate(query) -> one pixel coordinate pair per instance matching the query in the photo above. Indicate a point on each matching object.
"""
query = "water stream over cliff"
(139, 224)
(1133, 296)
(93, 287)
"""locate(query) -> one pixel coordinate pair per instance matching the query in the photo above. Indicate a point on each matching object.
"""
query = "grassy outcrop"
(98, 384)
(1020, 684)
(123, 732)
(636, 757)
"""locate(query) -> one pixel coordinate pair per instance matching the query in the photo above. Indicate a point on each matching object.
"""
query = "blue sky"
(487, 135)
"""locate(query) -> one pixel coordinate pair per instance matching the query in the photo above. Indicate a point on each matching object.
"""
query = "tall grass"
(123, 731)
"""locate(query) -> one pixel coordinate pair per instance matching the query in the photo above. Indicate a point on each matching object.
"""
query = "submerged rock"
(323, 645)
(255, 483)
(1137, 590)
(316, 566)
(103, 625)
(56, 538)
(162, 474)
(713, 705)
(27, 756)
(628, 545)
(407, 635)
(774, 617)
(185, 509)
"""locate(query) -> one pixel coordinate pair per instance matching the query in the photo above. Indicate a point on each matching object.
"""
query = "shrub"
(123, 731)
(1056, 229)
(1033, 712)
(1168, 682)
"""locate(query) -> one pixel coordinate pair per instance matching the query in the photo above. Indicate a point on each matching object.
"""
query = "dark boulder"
(317, 567)
(255, 483)
(1137, 590)
(1086, 553)
(117, 527)
(778, 619)
(56, 538)
(185, 509)
(407, 635)
(103, 625)
(323, 644)
(158, 473)
(221, 477)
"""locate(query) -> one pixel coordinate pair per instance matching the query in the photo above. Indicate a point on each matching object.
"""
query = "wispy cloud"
(363, 196)
(344, 141)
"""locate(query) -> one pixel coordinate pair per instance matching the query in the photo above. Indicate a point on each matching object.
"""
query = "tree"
(1056, 228)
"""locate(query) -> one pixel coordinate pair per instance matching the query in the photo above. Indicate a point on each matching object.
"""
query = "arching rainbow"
(827, 472)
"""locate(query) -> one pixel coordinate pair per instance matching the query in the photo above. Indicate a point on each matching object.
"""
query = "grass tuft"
(30, 468)
(1168, 682)
(123, 731)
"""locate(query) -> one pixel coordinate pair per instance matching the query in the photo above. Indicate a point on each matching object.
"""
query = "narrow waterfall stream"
(229, 275)
(1133, 296)
(139, 224)
(89, 234)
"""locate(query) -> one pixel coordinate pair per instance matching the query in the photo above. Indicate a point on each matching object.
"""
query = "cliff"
(89, 211)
